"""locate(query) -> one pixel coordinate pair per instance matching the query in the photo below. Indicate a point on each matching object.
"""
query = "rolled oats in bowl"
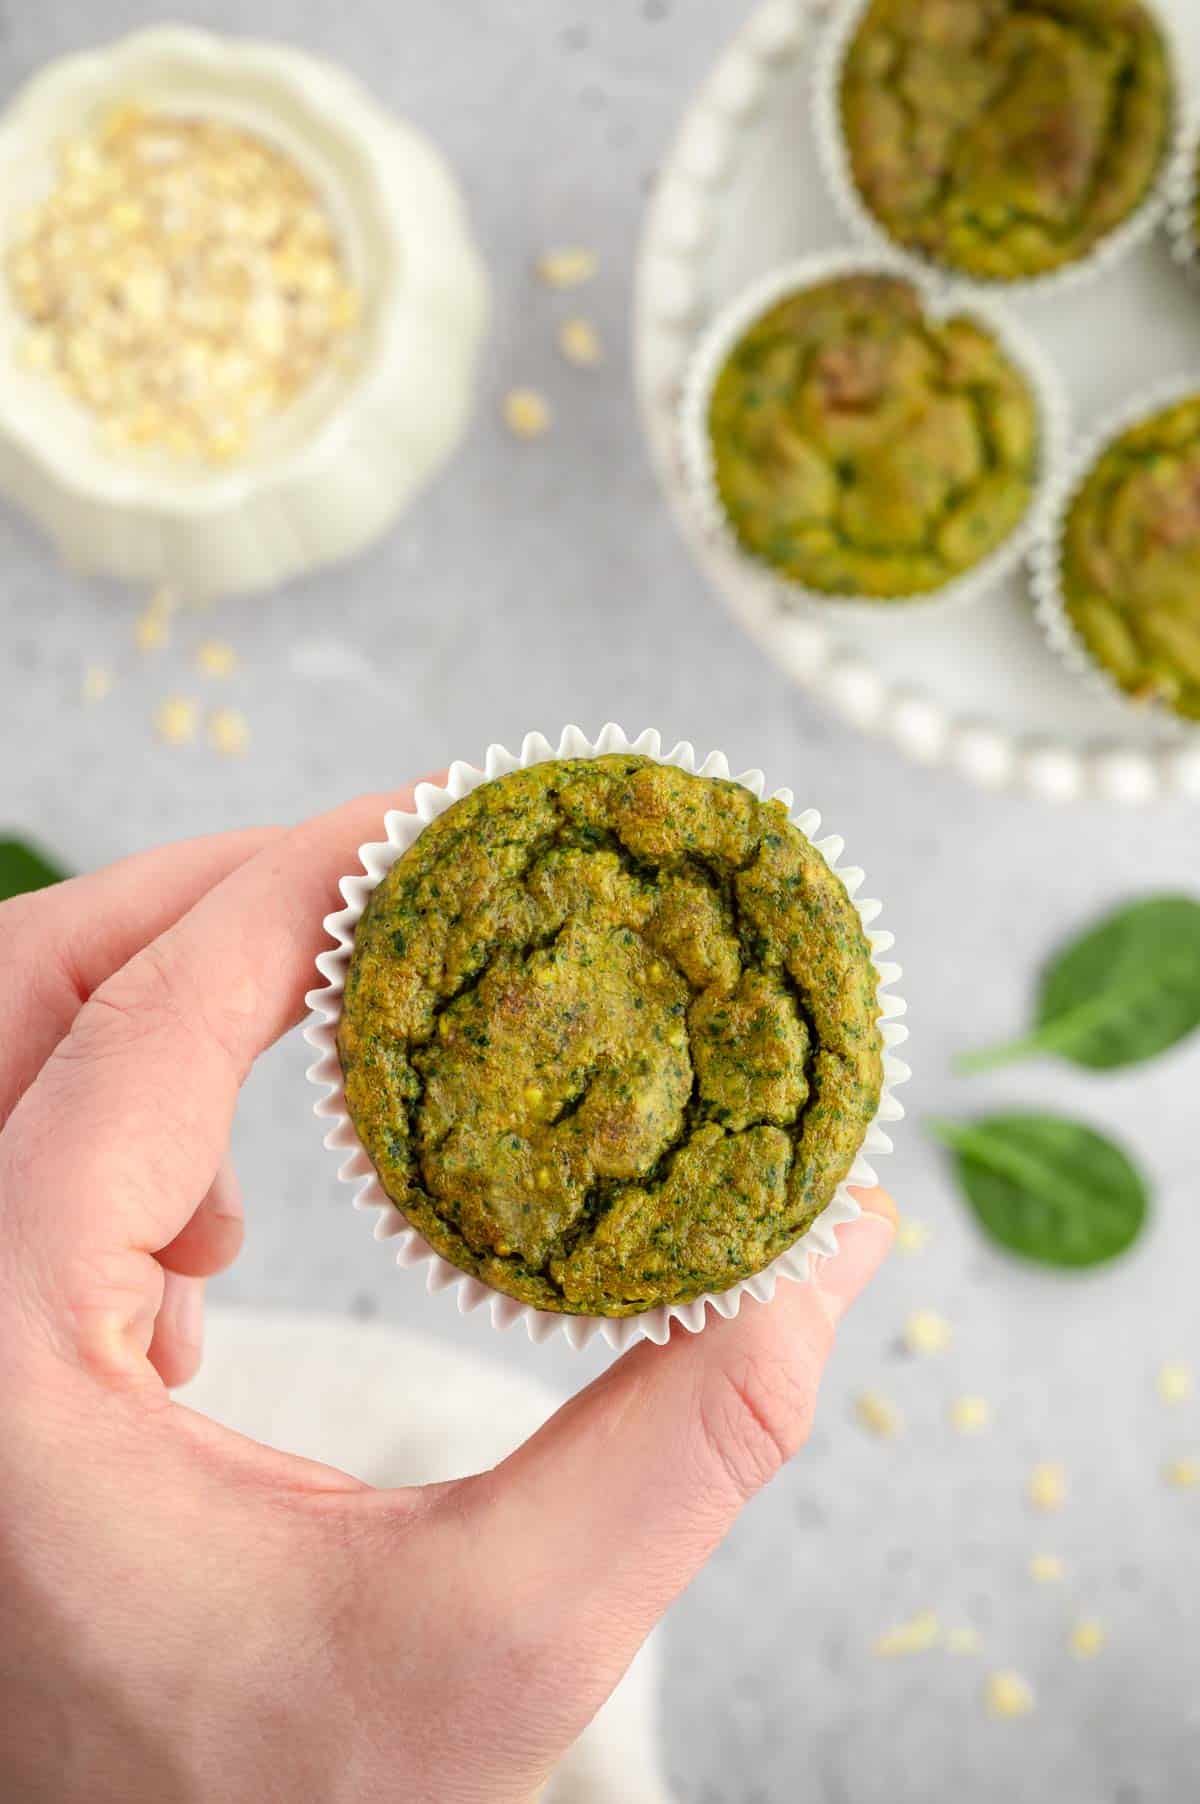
(183, 281)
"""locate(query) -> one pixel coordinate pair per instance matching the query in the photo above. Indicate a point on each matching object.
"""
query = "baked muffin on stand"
(866, 438)
(1117, 574)
(997, 142)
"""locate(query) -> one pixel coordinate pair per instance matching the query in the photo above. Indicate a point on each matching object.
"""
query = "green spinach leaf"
(23, 867)
(1047, 1188)
(1124, 992)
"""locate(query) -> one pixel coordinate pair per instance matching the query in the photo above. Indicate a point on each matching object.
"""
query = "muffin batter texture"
(1131, 559)
(1005, 138)
(862, 448)
(610, 1034)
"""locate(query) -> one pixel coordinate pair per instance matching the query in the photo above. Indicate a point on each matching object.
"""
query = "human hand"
(190, 1616)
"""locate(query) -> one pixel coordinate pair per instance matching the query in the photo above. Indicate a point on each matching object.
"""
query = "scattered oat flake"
(1048, 1486)
(579, 342)
(877, 1415)
(1175, 1383)
(97, 682)
(915, 1637)
(228, 731)
(175, 720)
(151, 629)
(215, 658)
(1087, 1638)
(1046, 1569)
(962, 1641)
(971, 1415)
(1184, 1473)
(526, 412)
(568, 266)
(927, 1332)
(912, 1236)
(1008, 1694)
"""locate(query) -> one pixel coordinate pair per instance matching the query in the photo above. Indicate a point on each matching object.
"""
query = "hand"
(185, 1615)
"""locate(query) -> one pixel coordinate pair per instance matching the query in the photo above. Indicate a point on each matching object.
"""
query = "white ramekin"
(332, 471)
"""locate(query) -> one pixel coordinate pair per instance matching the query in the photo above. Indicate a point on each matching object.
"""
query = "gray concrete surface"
(538, 584)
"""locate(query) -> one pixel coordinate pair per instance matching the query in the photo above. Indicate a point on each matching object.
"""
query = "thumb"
(596, 1524)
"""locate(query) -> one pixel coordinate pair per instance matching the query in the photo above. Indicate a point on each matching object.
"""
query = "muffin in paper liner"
(1135, 229)
(410, 1248)
(1046, 559)
(940, 302)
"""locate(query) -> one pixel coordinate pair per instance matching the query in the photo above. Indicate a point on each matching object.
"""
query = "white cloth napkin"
(398, 1408)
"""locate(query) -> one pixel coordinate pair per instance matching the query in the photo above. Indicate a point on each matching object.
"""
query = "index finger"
(112, 1147)
(61, 943)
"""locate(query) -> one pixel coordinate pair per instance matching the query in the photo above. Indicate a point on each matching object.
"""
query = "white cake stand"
(976, 689)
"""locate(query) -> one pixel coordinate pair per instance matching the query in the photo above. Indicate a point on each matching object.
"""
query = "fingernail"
(863, 1245)
(182, 1313)
(876, 1201)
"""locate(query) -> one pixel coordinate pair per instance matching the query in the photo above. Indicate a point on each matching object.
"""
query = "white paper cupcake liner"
(410, 1248)
(828, 64)
(1183, 194)
(940, 302)
(1046, 560)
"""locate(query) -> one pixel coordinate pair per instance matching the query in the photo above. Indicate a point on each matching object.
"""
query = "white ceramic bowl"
(332, 471)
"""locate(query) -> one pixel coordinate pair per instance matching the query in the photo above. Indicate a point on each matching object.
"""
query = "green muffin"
(610, 1034)
(1130, 575)
(1005, 138)
(862, 448)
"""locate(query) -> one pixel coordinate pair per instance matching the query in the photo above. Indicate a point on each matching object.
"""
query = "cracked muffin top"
(610, 1034)
(862, 448)
(1131, 559)
(1005, 138)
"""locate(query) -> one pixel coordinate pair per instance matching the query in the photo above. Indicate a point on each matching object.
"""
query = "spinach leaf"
(1049, 1189)
(1124, 992)
(23, 867)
